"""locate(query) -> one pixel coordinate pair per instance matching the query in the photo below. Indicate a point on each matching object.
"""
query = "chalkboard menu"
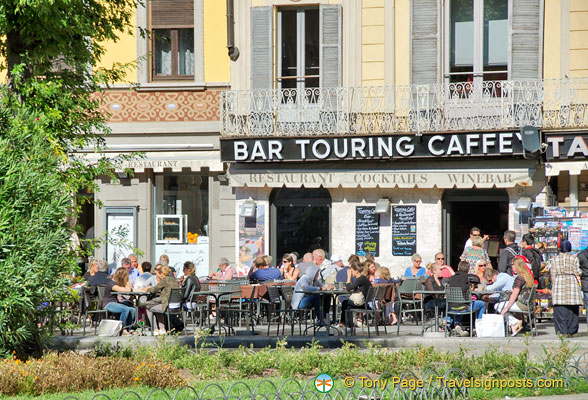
(367, 231)
(403, 230)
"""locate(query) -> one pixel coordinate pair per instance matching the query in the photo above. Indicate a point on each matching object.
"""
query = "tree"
(48, 111)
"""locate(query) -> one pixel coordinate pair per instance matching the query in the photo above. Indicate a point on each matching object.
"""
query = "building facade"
(390, 126)
(169, 111)
(393, 126)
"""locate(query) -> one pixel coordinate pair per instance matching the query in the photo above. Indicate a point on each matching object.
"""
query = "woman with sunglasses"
(288, 270)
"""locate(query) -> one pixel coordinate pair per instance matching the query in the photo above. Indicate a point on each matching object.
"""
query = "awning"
(573, 167)
(173, 161)
(416, 178)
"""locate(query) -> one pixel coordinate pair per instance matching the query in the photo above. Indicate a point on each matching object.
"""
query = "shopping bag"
(490, 325)
(109, 327)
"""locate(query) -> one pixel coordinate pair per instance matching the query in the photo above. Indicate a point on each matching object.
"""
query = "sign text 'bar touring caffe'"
(371, 147)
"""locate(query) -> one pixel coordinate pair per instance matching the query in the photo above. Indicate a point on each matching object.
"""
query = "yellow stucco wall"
(578, 38)
(372, 43)
(217, 66)
(402, 42)
(123, 51)
(552, 40)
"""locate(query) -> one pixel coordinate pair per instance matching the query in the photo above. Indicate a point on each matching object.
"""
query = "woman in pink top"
(226, 272)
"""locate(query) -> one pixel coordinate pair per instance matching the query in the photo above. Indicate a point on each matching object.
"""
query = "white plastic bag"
(491, 325)
(109, 327)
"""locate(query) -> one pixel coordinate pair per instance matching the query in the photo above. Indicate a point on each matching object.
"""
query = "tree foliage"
(48, 111)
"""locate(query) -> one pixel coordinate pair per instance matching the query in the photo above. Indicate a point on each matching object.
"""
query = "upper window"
(299, 48)
(172, 27)
(478, 40)
(173, 53)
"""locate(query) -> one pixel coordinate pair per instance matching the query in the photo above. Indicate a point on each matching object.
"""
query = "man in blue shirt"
(133, 272)
(498, 281)
(263, 272)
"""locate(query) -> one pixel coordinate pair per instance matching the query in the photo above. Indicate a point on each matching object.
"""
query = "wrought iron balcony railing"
(490, 105)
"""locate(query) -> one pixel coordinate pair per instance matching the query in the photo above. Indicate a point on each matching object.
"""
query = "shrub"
(71, 372)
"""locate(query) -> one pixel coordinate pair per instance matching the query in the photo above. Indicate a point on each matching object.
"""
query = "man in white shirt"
(475, 231)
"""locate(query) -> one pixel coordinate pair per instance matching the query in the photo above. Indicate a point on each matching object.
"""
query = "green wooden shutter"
(261, 48)
(330, 52)
(424, 41)
(526, 39)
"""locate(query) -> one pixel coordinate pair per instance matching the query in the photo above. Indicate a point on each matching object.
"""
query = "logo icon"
(323, 383)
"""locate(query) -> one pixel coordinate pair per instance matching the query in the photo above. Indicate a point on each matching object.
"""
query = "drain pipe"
(233, 50)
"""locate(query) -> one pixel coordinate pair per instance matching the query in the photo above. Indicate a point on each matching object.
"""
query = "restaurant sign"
(371, 147)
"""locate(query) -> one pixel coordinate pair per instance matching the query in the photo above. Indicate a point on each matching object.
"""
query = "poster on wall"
(251, 238)
(367, 231)
(404, 230)
(120, 226)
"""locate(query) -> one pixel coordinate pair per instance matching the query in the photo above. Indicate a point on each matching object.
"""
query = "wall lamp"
(382, 206)
(248, 208)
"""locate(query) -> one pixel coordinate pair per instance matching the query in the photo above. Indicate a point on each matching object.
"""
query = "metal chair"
(368, 308)
(409, 303)
(174, 307)
(455, 295)
(531, 308)
(93, 306)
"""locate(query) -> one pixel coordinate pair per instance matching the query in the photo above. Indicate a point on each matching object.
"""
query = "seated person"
(309, 281)
(415, 269)
(226, 271)
(461, 280)
(262, 272)
(519, 297)
(289, 270)
(146, 279)
(433, 283)
(101, 276)
(497, 281)
(446, 270)
(119, 283)
(382, 276)
(481, 267)
(190, 283)
(361, 285)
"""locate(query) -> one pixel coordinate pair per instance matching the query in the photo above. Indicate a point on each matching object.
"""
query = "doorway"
(300, 220)
(464, 209)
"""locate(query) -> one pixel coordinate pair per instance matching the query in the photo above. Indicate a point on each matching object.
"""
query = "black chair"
(455, 295)
(409, 303)
(174, 308)
(93, 296)
(367, 309)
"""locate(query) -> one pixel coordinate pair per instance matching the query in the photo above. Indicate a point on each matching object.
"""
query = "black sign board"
(567, 146)
(367, 231)
(403, 230)
(371, 147)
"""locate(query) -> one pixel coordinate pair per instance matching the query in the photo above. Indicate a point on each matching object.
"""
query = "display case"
(171, 228)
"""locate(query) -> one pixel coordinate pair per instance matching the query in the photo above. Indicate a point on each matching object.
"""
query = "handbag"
(357, 298)
(490, 325)
(109, 327)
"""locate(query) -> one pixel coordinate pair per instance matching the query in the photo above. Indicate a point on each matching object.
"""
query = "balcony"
(489, 105)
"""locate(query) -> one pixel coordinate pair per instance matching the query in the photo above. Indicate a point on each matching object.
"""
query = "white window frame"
(478, 67)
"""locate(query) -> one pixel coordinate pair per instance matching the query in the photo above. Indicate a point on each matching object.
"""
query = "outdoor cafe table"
(424, 293)
(217, 295)
(322, 293)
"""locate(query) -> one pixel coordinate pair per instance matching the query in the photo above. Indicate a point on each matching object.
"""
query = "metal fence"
(408, 386)
(467, 106)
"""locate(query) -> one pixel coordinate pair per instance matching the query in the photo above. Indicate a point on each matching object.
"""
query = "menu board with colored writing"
(403, 230)
(367, 231)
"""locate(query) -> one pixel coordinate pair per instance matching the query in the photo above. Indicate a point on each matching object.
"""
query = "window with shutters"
(478, 40)
(298, 48)
(172, 27)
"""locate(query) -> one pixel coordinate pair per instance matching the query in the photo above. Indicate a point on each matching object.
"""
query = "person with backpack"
(532, 254)
(508, 254)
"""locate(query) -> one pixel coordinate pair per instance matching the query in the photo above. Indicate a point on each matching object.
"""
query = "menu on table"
(403, 230)
(367, 231)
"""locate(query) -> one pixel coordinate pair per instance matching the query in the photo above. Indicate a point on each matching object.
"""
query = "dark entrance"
(464, 209)
(300, 220)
